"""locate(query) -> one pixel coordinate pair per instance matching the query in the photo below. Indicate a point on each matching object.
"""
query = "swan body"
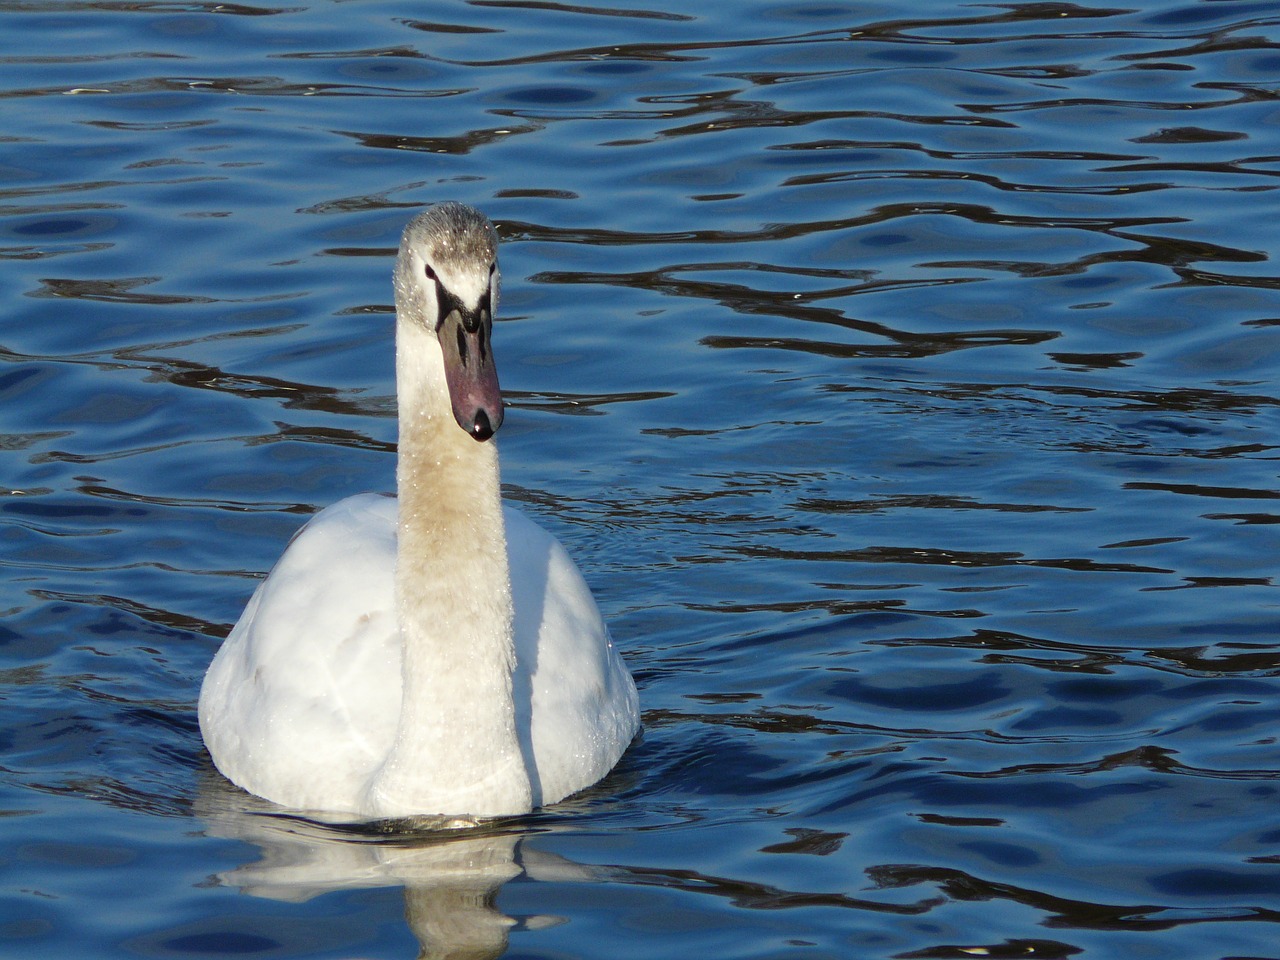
(436, 653)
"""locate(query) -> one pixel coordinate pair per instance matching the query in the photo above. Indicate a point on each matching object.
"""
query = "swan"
(435, 653)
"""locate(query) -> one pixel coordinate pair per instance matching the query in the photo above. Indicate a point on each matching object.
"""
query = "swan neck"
(453, 602)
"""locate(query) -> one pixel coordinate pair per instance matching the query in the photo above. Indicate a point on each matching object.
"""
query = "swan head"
(447, 281)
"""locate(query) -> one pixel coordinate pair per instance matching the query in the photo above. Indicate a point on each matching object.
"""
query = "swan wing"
(301, 702)
(576, 704)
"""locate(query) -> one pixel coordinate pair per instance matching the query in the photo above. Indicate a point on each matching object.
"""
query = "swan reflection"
(451, 872)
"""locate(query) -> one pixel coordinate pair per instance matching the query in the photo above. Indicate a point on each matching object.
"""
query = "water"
(903, 379)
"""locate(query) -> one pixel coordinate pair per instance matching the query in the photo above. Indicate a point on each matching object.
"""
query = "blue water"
(903, 378)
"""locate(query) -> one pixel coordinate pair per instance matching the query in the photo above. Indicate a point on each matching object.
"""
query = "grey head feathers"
(447, 280)
(458, 244)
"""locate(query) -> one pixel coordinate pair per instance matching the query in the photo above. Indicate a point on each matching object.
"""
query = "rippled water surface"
(902, 376)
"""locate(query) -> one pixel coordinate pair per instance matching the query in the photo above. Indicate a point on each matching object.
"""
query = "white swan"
(439, 654)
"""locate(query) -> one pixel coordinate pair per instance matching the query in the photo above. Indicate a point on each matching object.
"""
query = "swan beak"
(470, 372)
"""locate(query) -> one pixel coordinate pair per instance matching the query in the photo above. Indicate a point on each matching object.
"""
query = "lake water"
(902, 376)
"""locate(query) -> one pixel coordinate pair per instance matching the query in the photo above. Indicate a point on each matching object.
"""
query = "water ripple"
(903, 381)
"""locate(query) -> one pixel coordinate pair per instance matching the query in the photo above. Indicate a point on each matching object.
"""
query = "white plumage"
(438, 654)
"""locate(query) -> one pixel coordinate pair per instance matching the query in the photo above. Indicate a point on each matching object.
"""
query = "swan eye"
(429, 273)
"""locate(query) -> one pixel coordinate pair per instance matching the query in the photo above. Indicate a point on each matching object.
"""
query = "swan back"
(302, 702)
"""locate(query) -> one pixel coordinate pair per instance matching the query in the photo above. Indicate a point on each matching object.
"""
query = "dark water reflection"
(904, 382)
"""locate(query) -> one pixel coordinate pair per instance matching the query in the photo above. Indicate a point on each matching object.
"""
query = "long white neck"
(456, 750)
